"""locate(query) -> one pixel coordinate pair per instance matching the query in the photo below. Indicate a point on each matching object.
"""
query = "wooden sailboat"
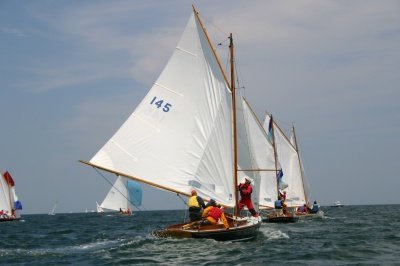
(308, 215)
(281, 215)
(288, 156)
(182, 136)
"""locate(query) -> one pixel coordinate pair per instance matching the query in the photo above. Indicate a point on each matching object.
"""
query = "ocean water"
(350, 235)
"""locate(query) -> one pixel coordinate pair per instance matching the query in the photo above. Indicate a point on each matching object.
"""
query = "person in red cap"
(196, 204)
(245, 190)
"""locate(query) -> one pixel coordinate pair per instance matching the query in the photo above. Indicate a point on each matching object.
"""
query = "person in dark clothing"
(314, 208)
(196, 204)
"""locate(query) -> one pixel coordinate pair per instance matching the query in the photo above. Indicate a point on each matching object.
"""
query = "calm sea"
(350, 235)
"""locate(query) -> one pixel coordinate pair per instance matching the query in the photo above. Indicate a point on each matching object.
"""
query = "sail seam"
(122, 149)
(168, 89)
(186, 51)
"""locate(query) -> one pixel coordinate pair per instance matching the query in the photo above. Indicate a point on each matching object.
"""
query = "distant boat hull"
(337, 204)
(9, 219)
(279, 218)
(245, 230)
(318, 215)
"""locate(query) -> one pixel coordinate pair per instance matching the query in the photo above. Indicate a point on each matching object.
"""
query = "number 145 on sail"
(160, 103)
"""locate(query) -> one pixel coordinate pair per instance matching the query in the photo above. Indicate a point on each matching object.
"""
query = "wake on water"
(272, 233)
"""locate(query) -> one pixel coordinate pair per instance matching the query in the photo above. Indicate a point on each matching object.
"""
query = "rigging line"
(223, 42)
(237, 70)
(186, 205)
(216, 28)
(112, 185)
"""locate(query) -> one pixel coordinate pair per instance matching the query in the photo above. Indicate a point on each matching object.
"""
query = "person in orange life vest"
(195, 203)
(245, 196)
(213, 213)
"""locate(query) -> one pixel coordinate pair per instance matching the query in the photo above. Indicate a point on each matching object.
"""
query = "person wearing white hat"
(245, 190)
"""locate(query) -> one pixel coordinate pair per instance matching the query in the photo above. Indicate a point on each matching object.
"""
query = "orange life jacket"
(215, 213)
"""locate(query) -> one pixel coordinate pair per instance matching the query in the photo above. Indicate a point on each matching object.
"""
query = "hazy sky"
(71, 72)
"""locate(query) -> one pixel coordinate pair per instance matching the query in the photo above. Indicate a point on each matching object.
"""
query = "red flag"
(9, 179)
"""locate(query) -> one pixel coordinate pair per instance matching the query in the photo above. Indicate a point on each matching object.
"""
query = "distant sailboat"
(337, 204)
(9, 203)
(123, 196)
(53, 210)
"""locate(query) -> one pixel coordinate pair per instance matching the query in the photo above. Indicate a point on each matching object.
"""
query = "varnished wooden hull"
(244, 230)
(9, 219)
(274, 218)
(318, 215)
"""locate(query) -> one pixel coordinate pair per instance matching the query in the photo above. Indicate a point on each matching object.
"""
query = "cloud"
(12, 31)
(45, 78)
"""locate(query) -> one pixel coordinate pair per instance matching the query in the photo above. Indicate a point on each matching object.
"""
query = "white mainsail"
(289, 161)
(180, 135)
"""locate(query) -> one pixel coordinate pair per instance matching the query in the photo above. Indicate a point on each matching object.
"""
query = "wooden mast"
(235, 159)
(271, 122)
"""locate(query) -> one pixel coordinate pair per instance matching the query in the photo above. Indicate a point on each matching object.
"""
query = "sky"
(71, 72)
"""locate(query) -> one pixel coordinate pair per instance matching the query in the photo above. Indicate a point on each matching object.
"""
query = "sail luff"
(275, 156)
(306, 196)
(211, 44)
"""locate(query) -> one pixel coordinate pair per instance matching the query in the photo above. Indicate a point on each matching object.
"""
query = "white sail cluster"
(289, 160)
(180, 137)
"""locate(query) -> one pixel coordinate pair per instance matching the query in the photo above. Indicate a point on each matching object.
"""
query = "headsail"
(256, 155)
(122, 195)
(180, 135)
